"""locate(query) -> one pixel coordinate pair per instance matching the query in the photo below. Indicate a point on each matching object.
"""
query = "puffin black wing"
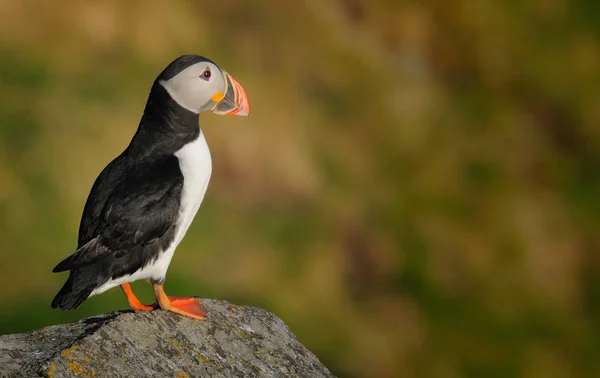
(92, 251)
(140, 211)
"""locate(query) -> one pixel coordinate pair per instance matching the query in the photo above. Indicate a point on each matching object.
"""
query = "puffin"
(143, 202)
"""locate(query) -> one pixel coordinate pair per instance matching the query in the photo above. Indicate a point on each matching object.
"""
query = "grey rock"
(235, 341)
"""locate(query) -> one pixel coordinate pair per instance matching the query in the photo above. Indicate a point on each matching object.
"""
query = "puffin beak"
(235, 101)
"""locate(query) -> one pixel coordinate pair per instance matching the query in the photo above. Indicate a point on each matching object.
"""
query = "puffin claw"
(143, 307)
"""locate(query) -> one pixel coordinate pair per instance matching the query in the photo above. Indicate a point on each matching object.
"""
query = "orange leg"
(134, 303)
(184, 306)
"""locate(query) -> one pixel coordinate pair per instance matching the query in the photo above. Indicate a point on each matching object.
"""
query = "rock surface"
(235, 341)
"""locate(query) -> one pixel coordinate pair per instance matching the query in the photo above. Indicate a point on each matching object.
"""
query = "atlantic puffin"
(143, 202)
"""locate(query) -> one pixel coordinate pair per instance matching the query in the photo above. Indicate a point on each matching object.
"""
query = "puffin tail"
(71, 295)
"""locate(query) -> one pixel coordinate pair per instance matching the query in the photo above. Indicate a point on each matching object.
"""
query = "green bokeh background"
(416, 193)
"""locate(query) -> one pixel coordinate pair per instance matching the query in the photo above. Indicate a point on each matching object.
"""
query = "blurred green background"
(417, 191)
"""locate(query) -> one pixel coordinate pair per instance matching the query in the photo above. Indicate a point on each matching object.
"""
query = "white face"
(197, 88)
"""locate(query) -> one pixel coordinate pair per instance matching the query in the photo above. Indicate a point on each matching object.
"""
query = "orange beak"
(235, 102)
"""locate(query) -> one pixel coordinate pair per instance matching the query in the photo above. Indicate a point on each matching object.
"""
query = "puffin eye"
(206, 74)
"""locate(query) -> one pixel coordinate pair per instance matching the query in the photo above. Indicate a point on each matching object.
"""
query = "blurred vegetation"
(417, 191)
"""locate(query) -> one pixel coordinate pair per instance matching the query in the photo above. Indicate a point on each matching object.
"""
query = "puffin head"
(197, 84)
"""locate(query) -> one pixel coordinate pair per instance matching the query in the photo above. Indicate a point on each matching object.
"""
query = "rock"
(235, 341)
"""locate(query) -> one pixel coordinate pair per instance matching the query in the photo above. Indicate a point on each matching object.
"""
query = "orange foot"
(134, 303)
(186, 306)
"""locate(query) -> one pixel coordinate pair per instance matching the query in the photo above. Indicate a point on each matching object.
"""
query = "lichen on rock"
(234, 341)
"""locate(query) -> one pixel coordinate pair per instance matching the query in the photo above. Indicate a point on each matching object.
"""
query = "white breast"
(196, 166)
